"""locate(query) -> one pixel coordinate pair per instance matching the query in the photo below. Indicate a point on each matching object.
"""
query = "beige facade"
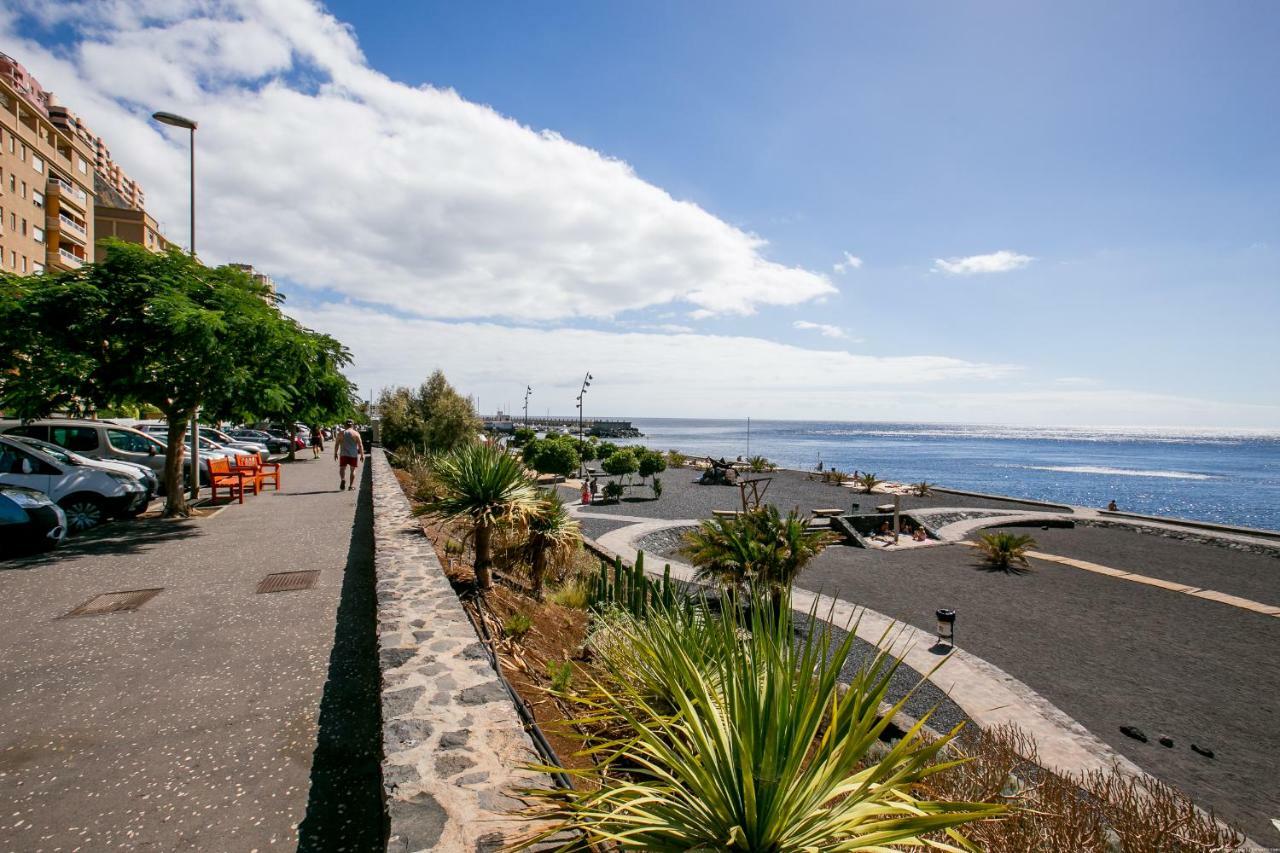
(259, 277)
(132, 226)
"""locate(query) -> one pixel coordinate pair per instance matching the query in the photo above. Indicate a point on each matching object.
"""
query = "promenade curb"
(453, 744)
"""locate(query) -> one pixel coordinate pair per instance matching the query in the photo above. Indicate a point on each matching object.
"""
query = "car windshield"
(53, 450)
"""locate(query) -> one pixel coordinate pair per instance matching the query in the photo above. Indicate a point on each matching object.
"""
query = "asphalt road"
(213, 717)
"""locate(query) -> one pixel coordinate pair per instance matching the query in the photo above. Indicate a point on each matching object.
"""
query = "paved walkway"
(212, 717)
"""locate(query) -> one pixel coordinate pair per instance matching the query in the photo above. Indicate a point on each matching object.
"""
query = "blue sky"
(1126, 152)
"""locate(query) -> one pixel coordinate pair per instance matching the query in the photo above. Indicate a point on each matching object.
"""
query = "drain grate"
(288, 581)
(114, 602)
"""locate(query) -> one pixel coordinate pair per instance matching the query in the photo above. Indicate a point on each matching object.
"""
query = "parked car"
(103, 440)
(29, 521)
(89, 496)
(272, 443)
(209, 444)
(244, 445)
(142, 473)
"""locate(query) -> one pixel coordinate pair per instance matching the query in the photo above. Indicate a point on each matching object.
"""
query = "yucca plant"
(485, 487)
(922, 489)
(554, 536)
(1003, 550)
(752, 745)
(759, 464)
(761, 547)
(868, 482)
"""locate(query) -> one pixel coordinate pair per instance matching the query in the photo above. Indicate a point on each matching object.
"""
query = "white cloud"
(317, 168)
(1001, 261)
(824, 329)
(1077, 381)
(850, 262)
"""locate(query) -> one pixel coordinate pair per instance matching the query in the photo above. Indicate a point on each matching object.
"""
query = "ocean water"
(1231, 477)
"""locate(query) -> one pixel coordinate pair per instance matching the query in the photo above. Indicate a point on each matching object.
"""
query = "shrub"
(605, 449)
(433, 417)
(1003, 550)
(734, 735)
(561, 676)
(556, 455)
(575, 592)
(922, 488)
(676, 459)
(517, 625)
(869, 482)
(613, 491)
(759, 464)
(656, 484)
(522, 436)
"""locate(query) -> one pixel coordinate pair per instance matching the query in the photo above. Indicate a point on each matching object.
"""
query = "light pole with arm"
(528, 389)
(176, 120)
(586, 383)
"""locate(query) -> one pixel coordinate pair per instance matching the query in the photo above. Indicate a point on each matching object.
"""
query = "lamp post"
(528, 389)
(586, 383)
(175, 120)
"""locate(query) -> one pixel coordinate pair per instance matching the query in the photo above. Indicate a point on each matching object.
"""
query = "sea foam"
(1120, 472)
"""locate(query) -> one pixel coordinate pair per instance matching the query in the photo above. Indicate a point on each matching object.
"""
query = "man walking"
(348, 449)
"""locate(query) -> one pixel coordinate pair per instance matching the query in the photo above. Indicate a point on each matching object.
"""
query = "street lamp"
(586, 383)
(175, 120)
(528, 389)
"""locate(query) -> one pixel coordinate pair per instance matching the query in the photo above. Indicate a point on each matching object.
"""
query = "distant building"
(47, 169)
(124, 223)
(260, 277)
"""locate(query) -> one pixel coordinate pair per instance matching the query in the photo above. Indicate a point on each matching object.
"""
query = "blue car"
(29, 521)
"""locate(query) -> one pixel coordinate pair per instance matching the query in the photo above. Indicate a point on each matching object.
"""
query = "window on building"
(23, 154)
(83, 165)
(37, 234)
(13, 184)
(37, 268)
(24, 263)
(37, 163)
(37, 198)
(13, 260)
(24, 226)
(24, 189)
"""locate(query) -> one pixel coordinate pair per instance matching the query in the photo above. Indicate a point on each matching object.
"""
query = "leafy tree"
(434, 418)
(606, 449)
(651, 462)
(161, 331)
(522, 436)
(485, 487)
(621, 463)
(760, 548)
(552, 455)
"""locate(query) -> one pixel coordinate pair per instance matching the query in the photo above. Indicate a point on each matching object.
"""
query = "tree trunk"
(293, 443)
(538, 570)
(484, 579)
(174, 456)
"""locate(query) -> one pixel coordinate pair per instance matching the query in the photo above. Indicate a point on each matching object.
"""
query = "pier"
(601, 427)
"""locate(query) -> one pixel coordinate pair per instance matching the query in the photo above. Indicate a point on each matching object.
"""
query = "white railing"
(70, 188)
(71, 223)
(70, 258)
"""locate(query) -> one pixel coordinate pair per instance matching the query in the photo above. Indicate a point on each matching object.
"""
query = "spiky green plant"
(1003, 550)
(868, 482)
(517, 625)
(922, 489)
(743, 739)
(560, 675)
(759, 464)
(554, 536)
(760, 547)
(485, 487)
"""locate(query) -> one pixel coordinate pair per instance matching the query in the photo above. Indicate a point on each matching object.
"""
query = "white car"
(213, 441)
(141, 473)
(87, 495)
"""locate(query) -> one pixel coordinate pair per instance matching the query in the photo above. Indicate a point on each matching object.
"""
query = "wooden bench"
(221, 476)
(261, 472)
(827, 513)
(726, 513)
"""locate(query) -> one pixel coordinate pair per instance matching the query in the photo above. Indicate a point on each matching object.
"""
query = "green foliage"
(162, 331)
(759, 464)
(1003, 550)
(522, 436)
(517, 625)
(656, 483)
(676, 459)
(435, 417)
(621, 463)
(613, 491)
(732, 735)
(560, 675)
(650, 462)
(575, 592)
(922, 489)
(629, 589)
(588, 448)
(605, 449)
(554, 537)
(760, 548)
(557, 455)
(484, 487)
(869, 482)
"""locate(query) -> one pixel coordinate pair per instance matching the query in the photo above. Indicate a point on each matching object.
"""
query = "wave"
(1120, 472)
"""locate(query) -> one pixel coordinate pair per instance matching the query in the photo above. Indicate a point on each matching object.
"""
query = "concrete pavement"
(212, 717)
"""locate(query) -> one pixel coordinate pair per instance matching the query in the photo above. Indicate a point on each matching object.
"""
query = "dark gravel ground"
(1241, 573)
(597, 527)
(683, 498)
(1108, 652)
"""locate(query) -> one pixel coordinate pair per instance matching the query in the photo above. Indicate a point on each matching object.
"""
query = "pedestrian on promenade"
(348, 449)
(317, 441)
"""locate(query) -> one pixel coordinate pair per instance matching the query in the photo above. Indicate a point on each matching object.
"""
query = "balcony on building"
(68, 227)
(63, 191)
(68, 257)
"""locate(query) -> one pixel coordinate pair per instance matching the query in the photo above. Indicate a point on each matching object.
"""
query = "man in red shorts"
(348, 449)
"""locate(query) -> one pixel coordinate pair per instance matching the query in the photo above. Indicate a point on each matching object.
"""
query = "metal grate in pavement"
(114, 602)
(288, 581)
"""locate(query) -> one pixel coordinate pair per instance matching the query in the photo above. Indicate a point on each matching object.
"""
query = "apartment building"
(115, 216)
(259, 277)
(46, 180)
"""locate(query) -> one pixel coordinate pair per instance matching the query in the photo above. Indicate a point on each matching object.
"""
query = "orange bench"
(221, 476)
(261, 472)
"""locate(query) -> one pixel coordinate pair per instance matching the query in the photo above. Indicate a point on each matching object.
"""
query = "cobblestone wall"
(452, 741)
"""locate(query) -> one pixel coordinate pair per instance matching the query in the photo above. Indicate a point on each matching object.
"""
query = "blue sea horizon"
(1228, 476)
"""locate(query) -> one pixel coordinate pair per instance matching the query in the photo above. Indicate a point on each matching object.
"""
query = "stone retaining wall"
(1185, 535)
(452, 740)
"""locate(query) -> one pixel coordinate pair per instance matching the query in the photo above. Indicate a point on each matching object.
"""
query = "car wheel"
(83, 511)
